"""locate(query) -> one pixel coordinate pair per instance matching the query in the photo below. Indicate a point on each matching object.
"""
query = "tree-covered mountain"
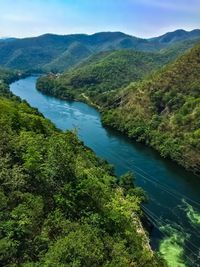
(164, 110)
(176, 36)
(59, 52)
(101, 73)
(75, 53)
(97, 78)
(60, 205)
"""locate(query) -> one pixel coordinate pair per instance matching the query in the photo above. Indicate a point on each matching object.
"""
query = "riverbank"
(164, 181)
(90, 102)
(78, 199)
(140, 130)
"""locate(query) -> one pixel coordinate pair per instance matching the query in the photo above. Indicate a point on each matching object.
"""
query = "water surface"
(174, 194)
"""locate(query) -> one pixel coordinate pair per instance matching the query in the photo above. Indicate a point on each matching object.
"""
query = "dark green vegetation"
(107, 72)
(60, 204)
(101, 73)
(164, 111)
(56, 53)
(8, 76)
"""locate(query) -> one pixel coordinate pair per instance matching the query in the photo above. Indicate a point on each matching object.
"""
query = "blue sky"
(142, 18)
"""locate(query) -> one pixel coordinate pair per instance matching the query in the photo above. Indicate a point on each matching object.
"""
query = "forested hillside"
(101, 73)
(57, 53)
(97, 79)
(164, 111)
(8, 76)
(60, 204)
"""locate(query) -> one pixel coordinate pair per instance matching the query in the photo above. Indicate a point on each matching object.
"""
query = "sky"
(141, 18)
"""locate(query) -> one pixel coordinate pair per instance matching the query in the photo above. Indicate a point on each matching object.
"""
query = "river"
(174, 193)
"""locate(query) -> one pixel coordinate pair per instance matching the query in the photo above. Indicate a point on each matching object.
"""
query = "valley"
(100, 145)
(172, 192)
(150, 97)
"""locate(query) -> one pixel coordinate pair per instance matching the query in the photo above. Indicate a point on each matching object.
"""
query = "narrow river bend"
(174, 194)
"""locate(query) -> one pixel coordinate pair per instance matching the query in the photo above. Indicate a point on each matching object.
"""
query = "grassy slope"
(60, 204)
(164, 111)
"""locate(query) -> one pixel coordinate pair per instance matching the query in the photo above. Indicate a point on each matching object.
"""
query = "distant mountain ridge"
(50, 52)
(7, 39)
(178, 35)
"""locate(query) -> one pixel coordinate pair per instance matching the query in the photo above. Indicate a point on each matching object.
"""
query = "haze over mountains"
(56, 53)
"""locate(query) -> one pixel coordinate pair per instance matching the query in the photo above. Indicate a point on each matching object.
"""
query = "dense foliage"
(60, 52)
(96, 79)
(8, 76)
(60, 205)
(164, 111)
(101, 73)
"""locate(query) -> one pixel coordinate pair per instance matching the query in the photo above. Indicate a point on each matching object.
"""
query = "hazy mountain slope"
(72, 56)
(164, 111)
(179, 48)
(176, 36)
(57, 52)
(38, 51)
